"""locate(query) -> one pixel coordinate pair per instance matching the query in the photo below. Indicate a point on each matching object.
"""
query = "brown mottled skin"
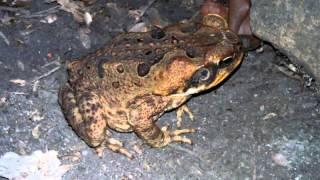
(129, 83)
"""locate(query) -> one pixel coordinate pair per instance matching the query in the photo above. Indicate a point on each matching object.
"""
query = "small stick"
(50, 63)
(141, 11)
(43, 12)
(12, 9)
(46, 74)
(4, 37)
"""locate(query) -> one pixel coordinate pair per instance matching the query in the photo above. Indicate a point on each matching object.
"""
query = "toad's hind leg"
(86, 118)
(115, 146)
(84, 114)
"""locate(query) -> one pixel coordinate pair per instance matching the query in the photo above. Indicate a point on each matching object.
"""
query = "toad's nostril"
(226, 62)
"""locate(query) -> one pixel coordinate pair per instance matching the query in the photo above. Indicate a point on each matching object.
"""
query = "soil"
(260, 124)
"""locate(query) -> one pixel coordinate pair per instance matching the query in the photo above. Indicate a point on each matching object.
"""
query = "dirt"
(260, 124)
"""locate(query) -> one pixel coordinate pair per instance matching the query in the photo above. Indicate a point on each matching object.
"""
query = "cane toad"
(128, 84)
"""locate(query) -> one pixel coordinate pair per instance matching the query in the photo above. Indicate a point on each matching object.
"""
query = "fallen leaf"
(139, 27)
(19, 82)
(36, 132)
(38, 165)
(76, 8)
(36, 116)
(51, 18)
(3, 101)
(87, 18)
(146, 166)
(84, 37)
(269, 116)
(281, 160)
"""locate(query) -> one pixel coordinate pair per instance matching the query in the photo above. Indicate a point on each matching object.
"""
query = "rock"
(291, 26)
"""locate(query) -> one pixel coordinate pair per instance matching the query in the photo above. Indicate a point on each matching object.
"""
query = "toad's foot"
(183, 109)
(115, 146)
(174, 136)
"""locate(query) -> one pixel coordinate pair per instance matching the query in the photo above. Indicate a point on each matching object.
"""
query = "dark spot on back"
(148, 52)
(101, 60)
(157, 33)
(191, 52)
(174, 40)
(138, 83)
(143, 69)
(120, 68)
(116, 84)
(94, 107)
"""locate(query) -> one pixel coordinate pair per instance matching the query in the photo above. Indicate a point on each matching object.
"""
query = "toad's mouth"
(219, 73)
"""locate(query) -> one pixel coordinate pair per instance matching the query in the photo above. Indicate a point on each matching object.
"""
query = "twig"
(139, 13)
(144, 9)
(35, 86)
(4, 37)
(187, 151)
(46, 74)
(50, 63)
(12, 9)
(43, 12)
(18, 93)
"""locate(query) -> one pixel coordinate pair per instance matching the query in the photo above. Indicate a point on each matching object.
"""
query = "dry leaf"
(36, 132)
(84, 37)
(75, 156)
(281, 160)
(36, 116)
(146, 166)
(76, 8)
(50, 19)
(269, 116)
(139, 27)
(87, 18)
(3, 101)
(38, 165)
(19, 82)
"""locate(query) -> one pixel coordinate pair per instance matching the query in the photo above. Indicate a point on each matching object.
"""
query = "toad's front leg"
(157, 137)
(142, 120)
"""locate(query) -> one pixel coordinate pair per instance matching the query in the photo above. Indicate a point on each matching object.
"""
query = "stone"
(293, 27)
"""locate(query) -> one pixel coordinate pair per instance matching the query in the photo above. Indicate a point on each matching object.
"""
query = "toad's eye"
(226, 62)
(203, 74)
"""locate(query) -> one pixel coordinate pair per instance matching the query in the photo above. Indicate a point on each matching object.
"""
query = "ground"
(260, 124)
